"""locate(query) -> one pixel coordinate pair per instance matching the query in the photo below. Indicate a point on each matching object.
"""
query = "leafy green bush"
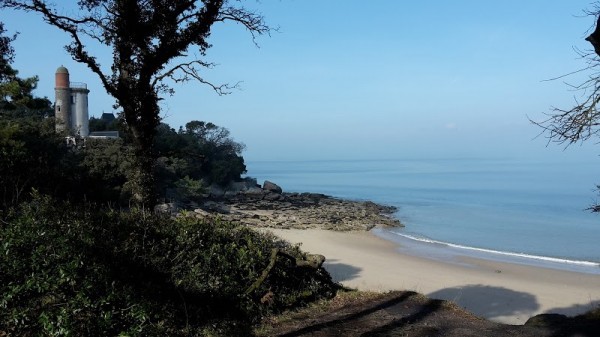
(108, 165)
(67, 271)
(189, 189)
(33, 156)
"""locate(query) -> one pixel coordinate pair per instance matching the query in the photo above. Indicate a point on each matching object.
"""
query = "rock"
(272, 187)
(547, 320)
(167, 208)
(230, 194)
(272, 196)
(215, 191)
(314, 261)
(202, 213)
(266, 208)
(254, 190)
(216, 207)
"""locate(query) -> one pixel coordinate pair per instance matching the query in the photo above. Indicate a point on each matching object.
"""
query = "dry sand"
(502, 292)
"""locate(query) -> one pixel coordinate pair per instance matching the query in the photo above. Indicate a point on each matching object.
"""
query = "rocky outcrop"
(272, 187)
(271, 208)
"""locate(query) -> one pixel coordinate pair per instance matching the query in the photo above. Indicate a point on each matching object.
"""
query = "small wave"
(498, 252)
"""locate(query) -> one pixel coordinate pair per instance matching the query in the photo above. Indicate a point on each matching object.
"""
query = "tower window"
(72, 99)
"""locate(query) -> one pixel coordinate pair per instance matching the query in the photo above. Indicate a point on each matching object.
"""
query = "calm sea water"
(504, 206)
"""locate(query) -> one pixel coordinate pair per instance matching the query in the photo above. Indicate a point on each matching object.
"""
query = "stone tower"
(71, 105)
(62, 102)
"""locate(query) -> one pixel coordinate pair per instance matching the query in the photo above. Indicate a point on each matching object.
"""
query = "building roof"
(62, 70)
(107, 116)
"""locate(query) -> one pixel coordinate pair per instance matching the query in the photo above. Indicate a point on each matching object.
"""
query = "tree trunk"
(141, 113)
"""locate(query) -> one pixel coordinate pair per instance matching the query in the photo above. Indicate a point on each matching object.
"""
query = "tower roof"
(62, 70)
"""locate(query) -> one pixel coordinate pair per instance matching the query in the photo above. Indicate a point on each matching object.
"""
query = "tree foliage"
(188, 162)
(7, 52)
(108, 165)
(151, 42)
(16, 93)
(196, 157)
(32, 156)
(99, 124)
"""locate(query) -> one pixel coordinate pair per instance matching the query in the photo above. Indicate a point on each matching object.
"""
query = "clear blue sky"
(348, 79)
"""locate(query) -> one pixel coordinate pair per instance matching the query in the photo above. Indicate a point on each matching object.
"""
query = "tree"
(582, 121)
(16, 93)
(16, 96)
(221, 157)
(150, 42)
(100, 124)
(7, 52)
(31, 154)
(198, 156)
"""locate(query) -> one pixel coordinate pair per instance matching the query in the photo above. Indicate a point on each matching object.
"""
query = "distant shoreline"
(446, 252)
(529, 206)
(272, 208)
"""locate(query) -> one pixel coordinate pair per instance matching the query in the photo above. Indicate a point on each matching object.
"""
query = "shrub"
(67, 271)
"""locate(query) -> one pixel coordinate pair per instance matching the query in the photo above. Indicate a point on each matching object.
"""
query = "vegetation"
(188, 162)
(72, 262)
(77, 260)
(150, 41)
(78, 270)
(205, 151)
(99, 124)
(31, 154)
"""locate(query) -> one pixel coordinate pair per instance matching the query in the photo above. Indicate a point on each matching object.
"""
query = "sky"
(382, 79)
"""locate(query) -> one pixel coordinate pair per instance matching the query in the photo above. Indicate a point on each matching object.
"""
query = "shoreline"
(497, 290)
(444, 252)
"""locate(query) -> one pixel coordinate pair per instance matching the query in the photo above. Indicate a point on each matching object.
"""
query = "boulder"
(167, 208)
(272, 187)
(254, 190)
(217, 207)
(202, 213)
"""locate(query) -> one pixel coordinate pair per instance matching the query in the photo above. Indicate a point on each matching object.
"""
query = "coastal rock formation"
(271, 208)
(270, 186)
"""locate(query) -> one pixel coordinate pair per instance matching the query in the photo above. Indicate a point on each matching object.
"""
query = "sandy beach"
(502, 292)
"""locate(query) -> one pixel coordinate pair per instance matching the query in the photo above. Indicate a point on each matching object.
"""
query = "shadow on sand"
(341, 272)
(490, 302)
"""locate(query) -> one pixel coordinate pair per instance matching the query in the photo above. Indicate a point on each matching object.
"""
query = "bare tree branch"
(581, 122)
(68, 25)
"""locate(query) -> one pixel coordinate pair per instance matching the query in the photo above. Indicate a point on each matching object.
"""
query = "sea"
(526, 211)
